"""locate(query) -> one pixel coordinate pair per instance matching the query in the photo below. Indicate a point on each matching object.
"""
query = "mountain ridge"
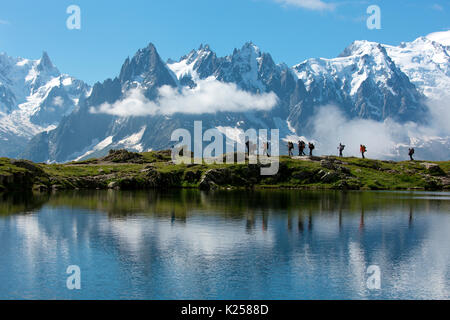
(34, 96)
(367, 81)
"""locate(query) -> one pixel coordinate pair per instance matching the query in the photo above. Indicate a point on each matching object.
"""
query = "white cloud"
(318, 5)
(4, 21)
(210, 96)
(331, 127)
(384, 140)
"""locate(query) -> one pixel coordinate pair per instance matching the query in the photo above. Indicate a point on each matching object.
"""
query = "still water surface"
(186, 244)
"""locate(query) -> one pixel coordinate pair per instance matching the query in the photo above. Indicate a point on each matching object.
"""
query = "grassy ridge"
(126, 170)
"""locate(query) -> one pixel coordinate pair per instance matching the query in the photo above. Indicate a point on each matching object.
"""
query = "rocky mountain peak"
(45, 64)
(146, 67)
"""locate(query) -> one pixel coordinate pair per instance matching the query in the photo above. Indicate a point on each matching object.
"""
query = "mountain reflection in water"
(186, 244)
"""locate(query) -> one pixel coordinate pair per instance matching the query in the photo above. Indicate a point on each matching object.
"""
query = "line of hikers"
(362, 149)
(302, 147)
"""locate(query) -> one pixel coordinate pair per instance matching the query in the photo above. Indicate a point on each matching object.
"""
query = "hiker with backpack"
(290, 148)
(411, 153)
(301, 148)
(363, 150)
(341, 149)
(311, 148)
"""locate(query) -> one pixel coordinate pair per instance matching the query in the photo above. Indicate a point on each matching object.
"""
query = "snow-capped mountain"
(34, 96)
(367, 81)
(442, 37)
(363, 80)
(426, 62)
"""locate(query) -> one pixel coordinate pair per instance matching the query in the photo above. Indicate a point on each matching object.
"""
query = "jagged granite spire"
(45, 63)
(147, 67)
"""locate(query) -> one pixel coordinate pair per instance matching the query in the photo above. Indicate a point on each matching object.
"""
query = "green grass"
(366, 174)
(62, 170)
(6, 168)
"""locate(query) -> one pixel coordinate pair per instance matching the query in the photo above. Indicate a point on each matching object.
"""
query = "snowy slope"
(34, 96)
(442, 37)
(426, 62)
(363, 81)
(360, 61)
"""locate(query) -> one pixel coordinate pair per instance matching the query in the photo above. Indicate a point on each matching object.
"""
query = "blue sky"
(291, 30)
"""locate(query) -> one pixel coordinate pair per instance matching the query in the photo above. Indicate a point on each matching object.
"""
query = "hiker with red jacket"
(363, 150)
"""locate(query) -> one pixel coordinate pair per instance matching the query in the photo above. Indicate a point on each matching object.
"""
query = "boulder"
(344, 170)
(113, 185)
(123, 156)
(328, 164)
(304, 175)
(192, 176)
(214, 178)
(30, 166)
(433, 169)
(206, 184)
(433, 184)
(157, 179)
(330, 177)
(348, 184)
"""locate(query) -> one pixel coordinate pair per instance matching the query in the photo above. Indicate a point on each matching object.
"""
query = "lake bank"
(154, 170)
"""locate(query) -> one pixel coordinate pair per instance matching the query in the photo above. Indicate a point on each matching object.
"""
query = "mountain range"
(46, 116)
(34, 97)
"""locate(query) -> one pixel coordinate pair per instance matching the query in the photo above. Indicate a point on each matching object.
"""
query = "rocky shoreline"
(154, 170)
